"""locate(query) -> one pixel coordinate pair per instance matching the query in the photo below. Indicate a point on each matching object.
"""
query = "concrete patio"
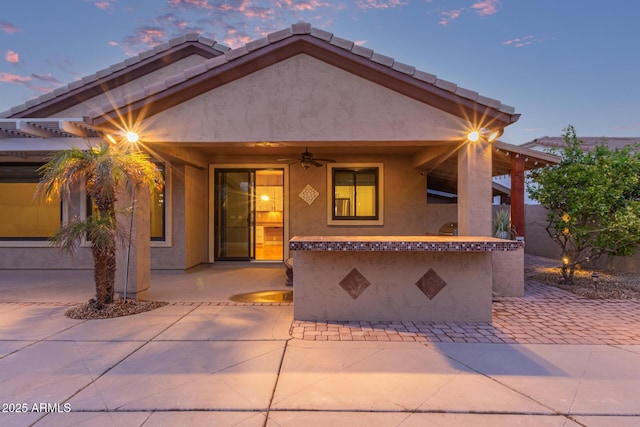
(548, 359)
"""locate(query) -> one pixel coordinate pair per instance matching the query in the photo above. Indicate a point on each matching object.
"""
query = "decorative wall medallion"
(354, 283)
(430, 284)
(308, 194)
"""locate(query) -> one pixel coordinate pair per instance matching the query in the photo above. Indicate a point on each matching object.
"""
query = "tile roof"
(447, 89)
(105, 74)
(587, 142)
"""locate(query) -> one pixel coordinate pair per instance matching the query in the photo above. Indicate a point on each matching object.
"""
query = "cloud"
(46, 78)
(302, 5)
(379, 4)
(480, 7)
(14, 78)
(449, 15)
(143, 38)
(106, 5)
(27, 81)
(172, 20)
(9, 28)
(486, 7)
(520, 41)
(190, 4)
(12, 57)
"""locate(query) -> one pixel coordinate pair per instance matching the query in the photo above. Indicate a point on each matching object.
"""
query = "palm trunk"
(110, 275)
(100, 261)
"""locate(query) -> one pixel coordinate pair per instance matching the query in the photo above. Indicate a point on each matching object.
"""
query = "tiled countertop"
(403, 243)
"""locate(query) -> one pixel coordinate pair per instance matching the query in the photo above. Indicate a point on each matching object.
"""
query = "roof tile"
(301, 28)
(90, 78)
(507, 109)
(342, 43)
(206, 41)
(466, 93)
(175, 79)
(192, 37)
(33, 101)
(382, 59)
(104, 73)
(446, 85)
(404, 68)
(132, 60)
(221, 48)
(195, 70)
(236, 53)
(16, 110)
(321, 34)
(279, 35)
(178, 40)
(75, 84)
(489, 102)
(117, 67)
(161, 48)
(214, 62)
(425, 77)
(46, 97)
(362, 51)
(155, 87)
(146, 54)
(58, 91)
(257, 44)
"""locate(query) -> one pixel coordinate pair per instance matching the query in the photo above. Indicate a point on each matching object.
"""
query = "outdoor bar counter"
(394, 278)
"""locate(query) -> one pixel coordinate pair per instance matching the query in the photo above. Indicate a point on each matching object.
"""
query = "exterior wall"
(439, 214)
(539, 243)
(87, 107)
(174, 256)
(304, 99)
(404, 200)
(196, 229)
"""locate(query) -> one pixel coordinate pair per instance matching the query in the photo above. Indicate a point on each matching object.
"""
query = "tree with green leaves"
(593, 201)
(104, 170)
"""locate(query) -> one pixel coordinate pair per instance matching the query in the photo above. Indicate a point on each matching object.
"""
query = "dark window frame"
(355, 171)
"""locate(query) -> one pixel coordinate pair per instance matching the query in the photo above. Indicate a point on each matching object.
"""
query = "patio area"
(548, 359)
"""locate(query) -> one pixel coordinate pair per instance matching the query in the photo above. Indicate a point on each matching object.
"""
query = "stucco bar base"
(371, 279)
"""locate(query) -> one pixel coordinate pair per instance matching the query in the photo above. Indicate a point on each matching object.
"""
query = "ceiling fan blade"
(316, 163)
(326, 160)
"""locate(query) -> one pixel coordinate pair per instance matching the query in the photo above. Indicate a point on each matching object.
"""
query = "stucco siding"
(404, 200)
(299, 99)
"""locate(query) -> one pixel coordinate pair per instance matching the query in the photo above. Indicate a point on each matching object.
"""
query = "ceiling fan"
(306, 160)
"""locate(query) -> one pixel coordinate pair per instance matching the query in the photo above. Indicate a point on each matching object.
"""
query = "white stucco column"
(138, 278)
(474, 189)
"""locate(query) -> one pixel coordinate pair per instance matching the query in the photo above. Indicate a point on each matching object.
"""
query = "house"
(298, 133)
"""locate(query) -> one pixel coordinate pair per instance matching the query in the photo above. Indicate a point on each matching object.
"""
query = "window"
(356, 191)
(21, 216)
(156, 208)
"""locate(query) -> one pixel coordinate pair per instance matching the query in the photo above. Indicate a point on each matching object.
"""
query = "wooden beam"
(517, 193)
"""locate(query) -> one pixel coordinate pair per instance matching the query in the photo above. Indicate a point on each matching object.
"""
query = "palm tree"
(104, 170)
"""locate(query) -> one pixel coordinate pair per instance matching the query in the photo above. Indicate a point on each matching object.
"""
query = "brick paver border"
(545, 315)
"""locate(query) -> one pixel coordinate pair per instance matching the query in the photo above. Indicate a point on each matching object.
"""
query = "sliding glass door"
(249, 208)
(234, 214)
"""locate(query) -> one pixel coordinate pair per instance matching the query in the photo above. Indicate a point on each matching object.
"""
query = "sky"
(558, 62)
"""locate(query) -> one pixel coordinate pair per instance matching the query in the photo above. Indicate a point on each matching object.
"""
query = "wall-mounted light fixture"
(488, 135)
